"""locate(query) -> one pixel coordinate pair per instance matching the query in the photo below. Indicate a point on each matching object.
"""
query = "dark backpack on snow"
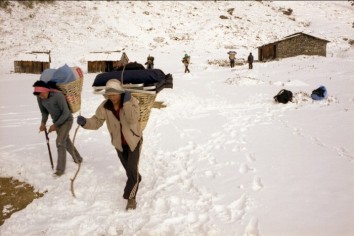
(284, 96)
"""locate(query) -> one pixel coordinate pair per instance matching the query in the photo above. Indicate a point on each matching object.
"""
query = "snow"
(222, 158)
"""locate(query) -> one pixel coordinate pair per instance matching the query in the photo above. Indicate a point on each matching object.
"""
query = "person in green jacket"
(121, 112)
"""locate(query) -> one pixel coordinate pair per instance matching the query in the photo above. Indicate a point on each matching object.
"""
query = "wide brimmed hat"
(113, 87)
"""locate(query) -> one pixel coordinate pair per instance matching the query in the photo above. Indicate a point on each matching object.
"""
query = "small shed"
(293, 45)
(32, 62)
(105, 61)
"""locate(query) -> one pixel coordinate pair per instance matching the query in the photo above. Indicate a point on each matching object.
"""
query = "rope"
(77, 161)
(122, 74)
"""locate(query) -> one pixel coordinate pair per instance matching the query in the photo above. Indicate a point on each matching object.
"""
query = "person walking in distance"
(53, 102)
(186, 61)
(250, 61)
(121, 112)
(232, 57)
(149, 62)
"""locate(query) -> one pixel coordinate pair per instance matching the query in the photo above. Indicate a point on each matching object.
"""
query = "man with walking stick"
(53, 102)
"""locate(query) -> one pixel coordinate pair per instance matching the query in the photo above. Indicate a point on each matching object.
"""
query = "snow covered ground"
(222, 158)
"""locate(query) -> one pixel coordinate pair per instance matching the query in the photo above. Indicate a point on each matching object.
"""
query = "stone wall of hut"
(301, 45)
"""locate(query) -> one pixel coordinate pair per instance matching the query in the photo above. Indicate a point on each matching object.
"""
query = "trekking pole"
(50, 153)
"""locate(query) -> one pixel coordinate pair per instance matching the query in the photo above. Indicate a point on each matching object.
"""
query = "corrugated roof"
(34, 56)
(104, 56)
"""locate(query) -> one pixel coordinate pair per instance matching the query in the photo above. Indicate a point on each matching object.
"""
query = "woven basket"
(146, 101)
(72, 92)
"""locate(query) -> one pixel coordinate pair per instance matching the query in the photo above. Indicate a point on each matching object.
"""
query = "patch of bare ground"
(15, 196)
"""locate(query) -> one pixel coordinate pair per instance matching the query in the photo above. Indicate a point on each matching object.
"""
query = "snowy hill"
(222, 158)
(70, 30)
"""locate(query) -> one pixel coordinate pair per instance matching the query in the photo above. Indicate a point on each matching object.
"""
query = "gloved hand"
(81, 120)
(127, 96)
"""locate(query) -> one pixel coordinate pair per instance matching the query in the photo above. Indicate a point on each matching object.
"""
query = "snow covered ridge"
(76, 28)
(221, 158)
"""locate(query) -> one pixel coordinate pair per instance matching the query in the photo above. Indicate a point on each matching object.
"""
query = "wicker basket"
(146, 101)
(72, 92)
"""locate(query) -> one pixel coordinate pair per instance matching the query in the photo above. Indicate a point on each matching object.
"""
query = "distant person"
(53, 102)
(250, 61)
(124, 59)
(186, 61)
(121, 112)
(232, 57)
(149, 62)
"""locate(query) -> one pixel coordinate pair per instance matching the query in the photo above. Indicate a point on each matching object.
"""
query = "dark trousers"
(64, 145)
(186, 69)
(130, 162)
(232, 63)
(250, 65)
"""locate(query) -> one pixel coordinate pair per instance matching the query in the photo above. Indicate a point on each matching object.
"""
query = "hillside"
(222, 158)
(72, 29)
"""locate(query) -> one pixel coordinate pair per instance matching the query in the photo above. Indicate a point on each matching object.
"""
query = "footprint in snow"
(244, 168)
(257, 184)
(252, 228)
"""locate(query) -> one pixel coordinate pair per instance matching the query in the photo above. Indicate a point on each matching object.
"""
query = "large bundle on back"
(143, 85)
(69, 80)
(232, 54)
(154, 79)
(186, 59)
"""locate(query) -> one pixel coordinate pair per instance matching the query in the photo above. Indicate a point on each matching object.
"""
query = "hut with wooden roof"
(32, 62)
(293, 45)
(105, 61)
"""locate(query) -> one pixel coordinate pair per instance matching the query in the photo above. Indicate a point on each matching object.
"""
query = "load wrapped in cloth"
(146, 99)
(143, 85)
(69, 80)
(149, 78)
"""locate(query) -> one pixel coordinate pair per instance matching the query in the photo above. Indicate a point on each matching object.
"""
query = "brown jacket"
(129, 121)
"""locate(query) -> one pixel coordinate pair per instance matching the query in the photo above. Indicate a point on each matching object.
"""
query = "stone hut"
(32, 62)
(105, 61)
(293, 45)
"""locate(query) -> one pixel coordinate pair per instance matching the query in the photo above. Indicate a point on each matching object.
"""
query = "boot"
(131, 204)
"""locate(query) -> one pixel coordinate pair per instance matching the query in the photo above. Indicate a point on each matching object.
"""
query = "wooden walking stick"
(78, 169)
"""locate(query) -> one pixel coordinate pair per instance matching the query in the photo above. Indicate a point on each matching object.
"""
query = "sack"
(284, 96)
(319, 93)
(63, 75)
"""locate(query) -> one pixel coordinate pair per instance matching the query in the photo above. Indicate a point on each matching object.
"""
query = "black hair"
(39, 83)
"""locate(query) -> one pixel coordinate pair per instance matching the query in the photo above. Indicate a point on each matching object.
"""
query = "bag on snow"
(319, 93)
(284, 96)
